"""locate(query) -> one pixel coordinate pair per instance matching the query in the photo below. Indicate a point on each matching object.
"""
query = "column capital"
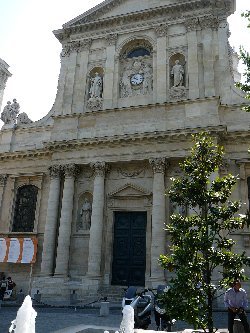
(100, 168)
(192, 24)
(3, 179)
(55, 171)
(70, 170)
(158, 164)
(161, 30)
(111, 39)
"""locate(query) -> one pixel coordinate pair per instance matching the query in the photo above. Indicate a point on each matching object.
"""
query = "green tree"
(245, 57)
(200, 241)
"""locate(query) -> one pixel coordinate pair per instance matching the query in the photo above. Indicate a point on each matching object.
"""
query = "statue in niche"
(178, 73)
(85, 214)
(125, 82)
(10, 112)
(96, 86)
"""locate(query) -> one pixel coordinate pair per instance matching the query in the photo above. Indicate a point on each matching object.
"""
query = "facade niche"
(84, 211)
(136, 69)
(95, 89)
(25, 209)
(177, 77)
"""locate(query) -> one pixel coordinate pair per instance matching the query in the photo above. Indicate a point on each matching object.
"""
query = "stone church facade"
(137, 79)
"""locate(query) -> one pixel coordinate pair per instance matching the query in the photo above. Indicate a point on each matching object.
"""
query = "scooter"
(142, 304)
(162, 319)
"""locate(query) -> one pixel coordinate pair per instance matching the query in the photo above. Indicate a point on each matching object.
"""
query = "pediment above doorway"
(129, 191)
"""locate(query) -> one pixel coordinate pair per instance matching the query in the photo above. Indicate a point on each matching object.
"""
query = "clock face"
(136, 79)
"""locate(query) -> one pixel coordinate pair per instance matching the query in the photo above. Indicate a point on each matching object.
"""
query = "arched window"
(138, 52)
(25, 209)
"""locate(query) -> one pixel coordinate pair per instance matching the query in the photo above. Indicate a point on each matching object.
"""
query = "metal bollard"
(104, 309)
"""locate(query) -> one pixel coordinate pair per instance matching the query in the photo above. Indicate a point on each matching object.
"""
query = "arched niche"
(136, 68)
(177, 65)
(94, 91)
(84, 211)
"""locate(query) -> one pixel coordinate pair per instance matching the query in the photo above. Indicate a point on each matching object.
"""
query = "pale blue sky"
(29, 47)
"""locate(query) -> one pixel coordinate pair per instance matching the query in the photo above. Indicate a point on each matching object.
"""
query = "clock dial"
(136, 79)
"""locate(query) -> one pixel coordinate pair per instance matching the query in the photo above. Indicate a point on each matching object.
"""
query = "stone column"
(208, 24)
(95, 240)
(161, 68)
(192, 65)
(82, 71)
(158, 239)
(48, 254)
(109, 72)
(63, 247)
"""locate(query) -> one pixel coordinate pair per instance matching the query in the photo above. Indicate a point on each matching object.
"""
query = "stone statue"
(177, 72)
(85, 214)
(23, 119)
(125, 83)
(96, 86)
(10, 112)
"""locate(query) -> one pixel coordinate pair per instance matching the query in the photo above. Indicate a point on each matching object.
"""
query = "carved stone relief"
(136, 77)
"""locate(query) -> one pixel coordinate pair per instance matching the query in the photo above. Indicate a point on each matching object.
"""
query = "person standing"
(235, 300)
(3, 287)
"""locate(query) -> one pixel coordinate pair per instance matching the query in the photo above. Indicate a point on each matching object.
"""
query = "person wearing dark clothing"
(11, 283)
(235, 300)
(3, 287)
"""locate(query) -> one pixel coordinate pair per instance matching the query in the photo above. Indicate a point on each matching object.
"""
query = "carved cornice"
(169, 13)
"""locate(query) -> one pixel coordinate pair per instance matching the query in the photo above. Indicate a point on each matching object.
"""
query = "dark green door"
(129, 249)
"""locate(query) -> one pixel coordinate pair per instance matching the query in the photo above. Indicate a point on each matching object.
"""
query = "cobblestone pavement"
(51, 320)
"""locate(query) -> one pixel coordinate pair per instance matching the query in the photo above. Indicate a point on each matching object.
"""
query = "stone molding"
(55, 171)
(160, 14)
(3, 179)
(158, 164)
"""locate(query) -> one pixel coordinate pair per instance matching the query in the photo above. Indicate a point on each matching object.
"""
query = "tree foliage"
(200, 240)
(245, 57)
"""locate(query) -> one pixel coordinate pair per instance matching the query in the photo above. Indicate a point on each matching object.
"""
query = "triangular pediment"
(115, 8)
(129, 190)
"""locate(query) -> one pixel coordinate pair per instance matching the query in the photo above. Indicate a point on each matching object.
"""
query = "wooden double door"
(129, 249)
